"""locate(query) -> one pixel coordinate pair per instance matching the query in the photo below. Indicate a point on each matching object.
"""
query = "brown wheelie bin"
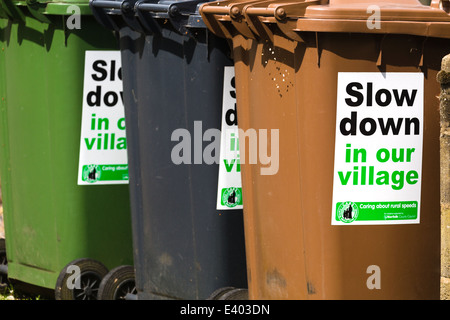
(348, 205)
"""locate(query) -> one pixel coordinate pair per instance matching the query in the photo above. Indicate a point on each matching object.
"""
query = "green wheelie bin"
(60, 235)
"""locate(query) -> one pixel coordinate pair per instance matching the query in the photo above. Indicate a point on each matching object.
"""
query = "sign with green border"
(103, 145)
(229, 190)
(378, 148)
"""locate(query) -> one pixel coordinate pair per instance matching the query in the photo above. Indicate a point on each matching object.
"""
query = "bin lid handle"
(98, 8)
(177, 12)
(218, 15)
(104, 10)
(146, 18)
(441, 4)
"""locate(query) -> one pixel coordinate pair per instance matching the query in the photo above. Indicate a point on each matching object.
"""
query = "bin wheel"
(3, 261)
(117, 284)
(70, 287)
(219, 292)
(229, 293)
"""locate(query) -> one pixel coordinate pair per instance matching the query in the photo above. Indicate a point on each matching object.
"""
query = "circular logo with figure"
(347, 212)
(91, 173)
(231, 197)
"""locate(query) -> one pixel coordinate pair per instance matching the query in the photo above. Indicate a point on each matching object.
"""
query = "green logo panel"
(349, 212)
(105, 172)
(231, 197)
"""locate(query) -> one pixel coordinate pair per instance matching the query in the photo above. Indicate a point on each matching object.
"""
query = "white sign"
(378, 150)
(103, 146)
(229, 193)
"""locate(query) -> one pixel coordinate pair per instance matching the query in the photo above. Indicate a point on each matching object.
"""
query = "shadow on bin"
(173, 71)
(352, 223)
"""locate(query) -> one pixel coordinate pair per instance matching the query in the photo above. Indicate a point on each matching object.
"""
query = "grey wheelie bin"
(173, 71)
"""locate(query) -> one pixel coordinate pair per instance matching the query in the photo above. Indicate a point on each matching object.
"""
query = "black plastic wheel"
(3, 261)
(119, 282)
(219, 292)
(229, 293)
(91, 273)
(235, 294)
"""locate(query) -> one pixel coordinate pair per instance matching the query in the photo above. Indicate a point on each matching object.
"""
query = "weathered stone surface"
(444, 79)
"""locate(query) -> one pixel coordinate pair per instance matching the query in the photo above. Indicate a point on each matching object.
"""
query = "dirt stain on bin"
(310, 288)
(165, 260)
(2, 228)
(275, 280)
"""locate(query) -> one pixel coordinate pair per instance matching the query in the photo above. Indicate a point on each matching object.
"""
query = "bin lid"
(40, 8)
(142, 15)
(358, 16)
(382, 16)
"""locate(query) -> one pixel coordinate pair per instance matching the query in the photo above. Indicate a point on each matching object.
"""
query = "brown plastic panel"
(224, 18)
(293, 251)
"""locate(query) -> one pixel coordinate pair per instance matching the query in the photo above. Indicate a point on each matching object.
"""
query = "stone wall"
(444, 79)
